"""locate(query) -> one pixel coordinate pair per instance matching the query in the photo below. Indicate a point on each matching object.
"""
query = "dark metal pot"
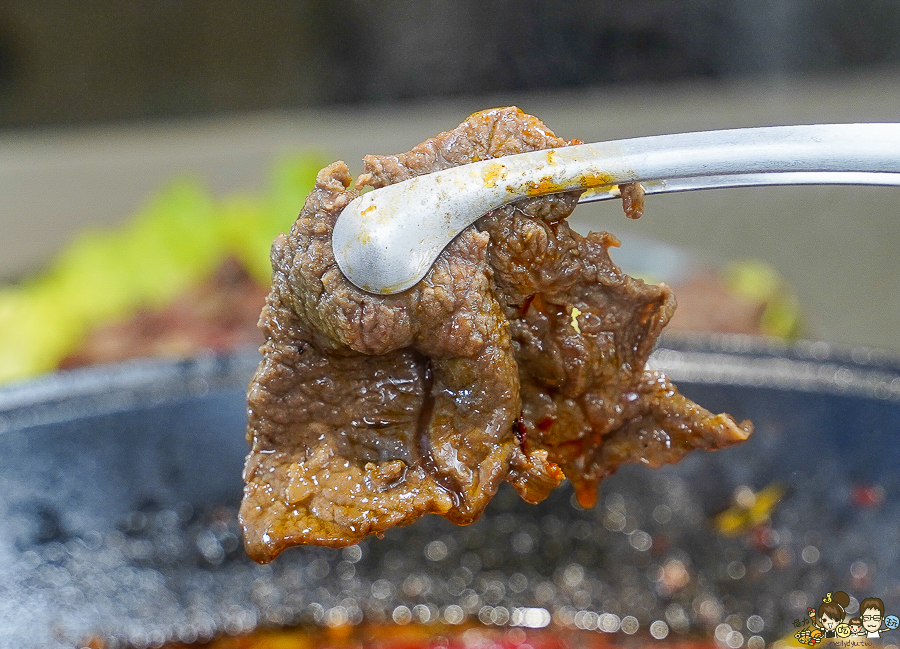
(120, 487)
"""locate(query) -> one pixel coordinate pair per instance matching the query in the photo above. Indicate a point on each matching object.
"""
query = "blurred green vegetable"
(759, 282)
(176, 240)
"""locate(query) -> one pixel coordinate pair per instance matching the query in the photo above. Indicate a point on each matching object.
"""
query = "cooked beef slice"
(519, 357)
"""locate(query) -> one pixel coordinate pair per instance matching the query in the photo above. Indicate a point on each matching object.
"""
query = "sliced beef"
(519, 357)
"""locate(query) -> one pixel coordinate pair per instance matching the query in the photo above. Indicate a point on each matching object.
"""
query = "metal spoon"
(386, 240)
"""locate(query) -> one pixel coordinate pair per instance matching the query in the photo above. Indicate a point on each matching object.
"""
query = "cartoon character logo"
(855, 627)
(830, 620)
(874, 622)
(831, 614)
(809, 636)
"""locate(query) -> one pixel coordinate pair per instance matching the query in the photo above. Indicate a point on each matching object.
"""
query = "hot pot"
(120, 487)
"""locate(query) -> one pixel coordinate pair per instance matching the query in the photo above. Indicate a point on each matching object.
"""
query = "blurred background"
(98, 60)
(103, 104)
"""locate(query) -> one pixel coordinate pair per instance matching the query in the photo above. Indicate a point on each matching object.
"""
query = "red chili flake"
(545, 423)
(762, 537)
(521, 433)
(867, 496)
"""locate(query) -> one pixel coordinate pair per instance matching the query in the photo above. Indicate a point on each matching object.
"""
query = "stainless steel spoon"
(386, 240)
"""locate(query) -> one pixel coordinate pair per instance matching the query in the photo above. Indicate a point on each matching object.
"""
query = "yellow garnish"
(575, 313)
(747, 514)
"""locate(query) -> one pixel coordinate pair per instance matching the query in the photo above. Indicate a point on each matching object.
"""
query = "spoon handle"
(674, 185)
(386, 240)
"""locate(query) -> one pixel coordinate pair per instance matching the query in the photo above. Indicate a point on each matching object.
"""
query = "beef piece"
(519, 357)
